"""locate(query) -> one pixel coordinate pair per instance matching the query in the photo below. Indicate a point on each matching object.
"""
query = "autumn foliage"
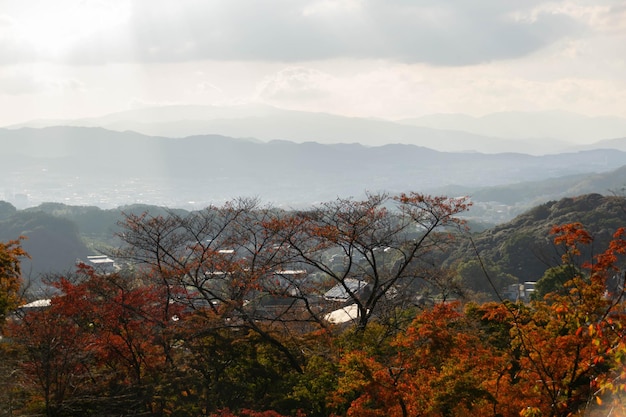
(194, 330)
(10, 277)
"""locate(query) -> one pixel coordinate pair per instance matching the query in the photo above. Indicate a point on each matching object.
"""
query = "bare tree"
(375, 250)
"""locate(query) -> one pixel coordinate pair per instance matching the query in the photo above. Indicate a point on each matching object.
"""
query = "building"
(520, 292)
(342, 291)
(101, 264)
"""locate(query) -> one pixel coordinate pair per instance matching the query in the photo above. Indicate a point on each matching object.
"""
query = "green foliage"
(476, 279)
(53, 243)
(522, 248)
(554, 279)
(314, 389)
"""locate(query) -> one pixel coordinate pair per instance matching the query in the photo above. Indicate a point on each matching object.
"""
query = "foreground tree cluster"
(343, 310)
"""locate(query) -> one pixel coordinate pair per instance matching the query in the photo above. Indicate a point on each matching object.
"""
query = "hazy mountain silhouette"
(107, 168)
(532, 133)
(558, 125)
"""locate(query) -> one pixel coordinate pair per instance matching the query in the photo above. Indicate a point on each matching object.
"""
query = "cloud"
(450, 33)
(17, 84)
(440, 33)
(12, 48)
(21, 82)
(296, 83)
(138, 103)
(43, 31)
(374, 89)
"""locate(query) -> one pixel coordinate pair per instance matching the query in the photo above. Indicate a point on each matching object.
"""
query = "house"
(101, 263)
(529, 289)
(342, 291)
(513, 292)
(520, 292)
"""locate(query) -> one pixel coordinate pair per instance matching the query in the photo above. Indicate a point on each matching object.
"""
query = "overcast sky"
(378, 58)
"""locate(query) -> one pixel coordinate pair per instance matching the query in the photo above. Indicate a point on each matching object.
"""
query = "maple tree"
(220, 261)
(55, 357)
(438, 366)
(236, 268)
(250, 413)
(11, 254)
(569, 341)
(560, 356)
(101, 332)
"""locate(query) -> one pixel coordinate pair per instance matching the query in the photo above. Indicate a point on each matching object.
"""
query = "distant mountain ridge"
(529, 125)
(497, 133)
(95, 166)
(536, 192)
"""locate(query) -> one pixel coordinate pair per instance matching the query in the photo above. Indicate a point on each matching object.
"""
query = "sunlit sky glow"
(377, 58)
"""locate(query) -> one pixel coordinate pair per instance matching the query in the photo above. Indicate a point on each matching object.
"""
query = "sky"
(391, 59)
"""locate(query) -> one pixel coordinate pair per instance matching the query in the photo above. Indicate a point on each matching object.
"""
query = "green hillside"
(523, 247)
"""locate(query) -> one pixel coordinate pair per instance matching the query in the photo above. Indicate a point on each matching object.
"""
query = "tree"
(221, 262)
(251, 278)
(11, 254)
(438, 366)
(564, 347)
(56, 358)
(103, 343)
(554, 279)
(473, 276)
(561, 356)
(387, 243)
(10, 277)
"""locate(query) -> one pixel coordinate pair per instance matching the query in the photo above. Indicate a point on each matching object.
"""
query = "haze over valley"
(312, 208)
(164, 156)
(121, 102)
(113, 106)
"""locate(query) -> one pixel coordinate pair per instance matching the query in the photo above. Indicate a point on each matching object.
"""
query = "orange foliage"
(10, 276)
(562, 356)
(441, 367)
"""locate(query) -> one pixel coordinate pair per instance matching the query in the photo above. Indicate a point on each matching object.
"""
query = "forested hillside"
(346, 309)
(54, 243)
(522, 247)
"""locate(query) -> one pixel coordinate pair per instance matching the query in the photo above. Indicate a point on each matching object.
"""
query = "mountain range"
(191, 156)
(95, 166)
(531, 133)
(564, 126)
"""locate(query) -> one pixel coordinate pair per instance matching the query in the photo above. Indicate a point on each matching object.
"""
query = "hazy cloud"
(441, 33)
(21, 82)
(16, 84)
(456, 32)
(381, 58)
(296, 83)
(12, 49)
